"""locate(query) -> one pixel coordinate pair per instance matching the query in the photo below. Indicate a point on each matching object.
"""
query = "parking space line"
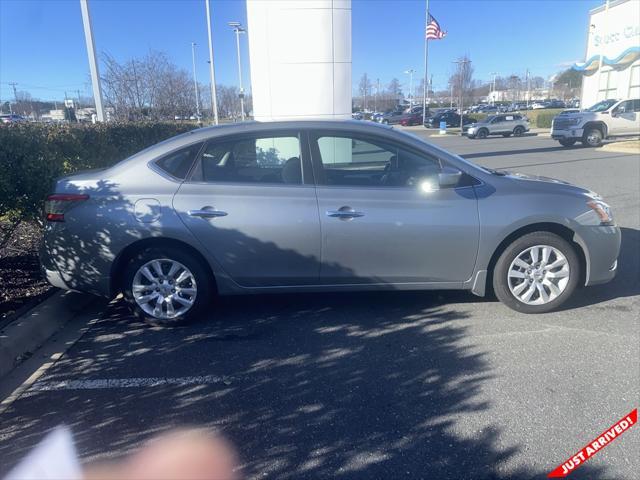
(112, 383)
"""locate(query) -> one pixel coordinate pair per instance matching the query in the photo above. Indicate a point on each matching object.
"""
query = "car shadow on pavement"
(626, 282)
(358, 385)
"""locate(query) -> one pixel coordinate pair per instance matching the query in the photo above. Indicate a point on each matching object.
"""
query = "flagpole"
(426, 53)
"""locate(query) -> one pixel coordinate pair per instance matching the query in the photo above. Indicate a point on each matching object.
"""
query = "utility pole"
(462, 72)
(237, 28)
(214, 99)
(375, 100)
(528, 87)
(195, 80)
(410, 72)
(93, 63)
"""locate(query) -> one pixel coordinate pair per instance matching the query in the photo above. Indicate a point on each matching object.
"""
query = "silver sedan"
(319, 206)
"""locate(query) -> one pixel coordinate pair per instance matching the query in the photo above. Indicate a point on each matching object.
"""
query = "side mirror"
(449, 177)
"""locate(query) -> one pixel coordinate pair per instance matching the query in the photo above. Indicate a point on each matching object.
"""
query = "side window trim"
(305, 163)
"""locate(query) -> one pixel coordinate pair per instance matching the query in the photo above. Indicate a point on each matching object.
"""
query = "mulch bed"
(22, 284)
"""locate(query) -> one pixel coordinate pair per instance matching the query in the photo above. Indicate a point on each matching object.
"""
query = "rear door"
(251, 202)
(381, 224)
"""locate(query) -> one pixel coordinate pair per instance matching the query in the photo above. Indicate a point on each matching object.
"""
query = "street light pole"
(493, 88)
(195, 80)
(237, 28)
(93, 63)
(410, 72)
(214, 99)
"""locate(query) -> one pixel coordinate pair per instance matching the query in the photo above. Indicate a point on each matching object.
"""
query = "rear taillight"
(57, 204)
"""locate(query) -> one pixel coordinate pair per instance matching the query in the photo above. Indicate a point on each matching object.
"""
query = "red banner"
(596, 445)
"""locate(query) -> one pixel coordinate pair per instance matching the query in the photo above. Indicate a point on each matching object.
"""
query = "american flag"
(434, 32)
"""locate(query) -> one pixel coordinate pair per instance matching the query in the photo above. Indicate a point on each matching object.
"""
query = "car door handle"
(344, 213)
(207, 213)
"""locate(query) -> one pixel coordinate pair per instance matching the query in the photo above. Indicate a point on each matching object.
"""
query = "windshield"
(601, 106)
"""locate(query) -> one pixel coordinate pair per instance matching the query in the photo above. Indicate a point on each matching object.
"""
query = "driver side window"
(358, 162)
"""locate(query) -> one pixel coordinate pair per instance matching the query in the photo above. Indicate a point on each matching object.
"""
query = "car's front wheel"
(482, 133)
(518, 131)
(536, 273)
(592, 138)
(166, 286)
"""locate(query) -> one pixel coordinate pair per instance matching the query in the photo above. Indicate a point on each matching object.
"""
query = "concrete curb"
(25, 334)
(632, 146)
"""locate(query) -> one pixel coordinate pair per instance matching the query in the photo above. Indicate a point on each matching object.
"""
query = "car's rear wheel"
(536, 273)
(592, 138)
(567, 142)
(166, 286)
(518, 131)
(482, 133)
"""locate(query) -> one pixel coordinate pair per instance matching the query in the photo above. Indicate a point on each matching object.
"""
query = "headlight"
(602, 210)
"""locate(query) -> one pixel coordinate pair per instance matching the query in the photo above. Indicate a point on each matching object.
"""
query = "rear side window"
(178, 163)
(273, 159)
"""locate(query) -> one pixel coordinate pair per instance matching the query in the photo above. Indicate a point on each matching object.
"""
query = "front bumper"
(601, 245)
(557, 134)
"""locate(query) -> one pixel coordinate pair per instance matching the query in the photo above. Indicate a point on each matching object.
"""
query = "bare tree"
(461, 80)
(364, 88)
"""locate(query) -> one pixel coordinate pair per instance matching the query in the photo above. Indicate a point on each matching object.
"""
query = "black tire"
(482, 133)
(205, 285)
(501, 271)
(592, 137)
(567, 142)
(518, 131)
(385, 121)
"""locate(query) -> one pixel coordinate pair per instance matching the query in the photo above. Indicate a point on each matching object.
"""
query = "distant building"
(612, 62)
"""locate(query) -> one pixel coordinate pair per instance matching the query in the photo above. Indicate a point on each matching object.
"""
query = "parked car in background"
(505, 125)
(357, 115)
(411, 119)
(556, 104)
(608, 118)
(11, 118)
(488, 109)
(393, 117)
(538, 105)
(376, 116)
(452, 119)
(270, 207)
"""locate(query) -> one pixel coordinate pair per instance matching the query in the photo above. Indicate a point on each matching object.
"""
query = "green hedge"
(544, 120)
(32, 156)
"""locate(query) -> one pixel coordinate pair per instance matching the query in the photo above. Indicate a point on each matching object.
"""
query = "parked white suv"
(608, 118)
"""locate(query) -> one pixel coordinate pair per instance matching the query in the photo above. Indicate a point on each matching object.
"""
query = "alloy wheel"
(164, 288)
(538, 275)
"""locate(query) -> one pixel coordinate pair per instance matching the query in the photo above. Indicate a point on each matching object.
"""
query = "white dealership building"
(612, 61)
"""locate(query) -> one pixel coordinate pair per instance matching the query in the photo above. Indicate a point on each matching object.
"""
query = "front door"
(382, 220)
(624, 119)
(252, 204)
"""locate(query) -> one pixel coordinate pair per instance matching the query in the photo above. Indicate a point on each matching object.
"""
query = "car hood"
(546, 182)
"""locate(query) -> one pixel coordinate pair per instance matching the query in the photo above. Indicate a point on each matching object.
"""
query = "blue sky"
(42, 41)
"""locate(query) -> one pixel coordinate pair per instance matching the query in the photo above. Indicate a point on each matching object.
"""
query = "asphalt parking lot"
(374, 385)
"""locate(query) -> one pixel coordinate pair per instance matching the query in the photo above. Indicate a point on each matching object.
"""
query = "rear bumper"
(68, 271)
